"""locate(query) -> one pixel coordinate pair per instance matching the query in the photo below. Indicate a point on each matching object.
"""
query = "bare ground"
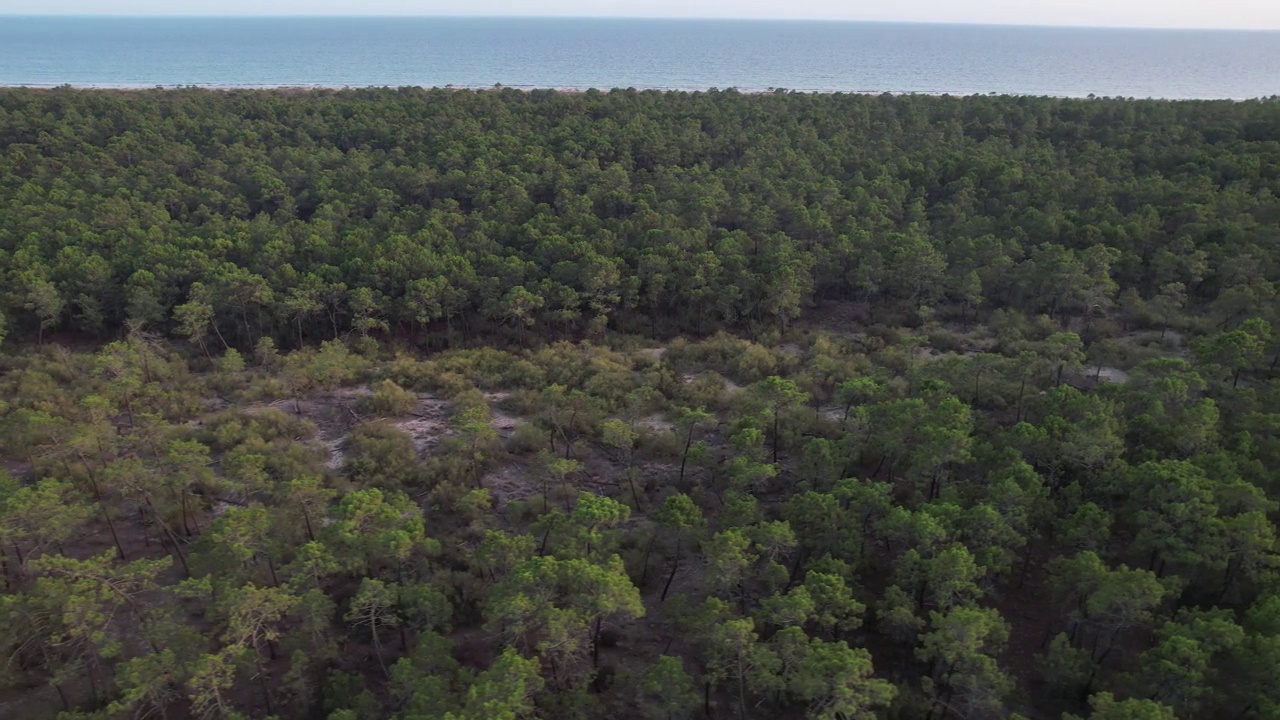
(656, 423)
(15, 468)
(509, 483)
(1110, 374)
(333, 413)
(428, 424)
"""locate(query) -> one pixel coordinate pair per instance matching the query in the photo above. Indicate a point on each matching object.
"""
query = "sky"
(1236, 14)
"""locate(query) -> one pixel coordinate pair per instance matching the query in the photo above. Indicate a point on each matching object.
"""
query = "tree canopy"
(458, 405)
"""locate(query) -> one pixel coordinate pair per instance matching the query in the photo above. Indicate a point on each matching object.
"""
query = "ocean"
(662, 54)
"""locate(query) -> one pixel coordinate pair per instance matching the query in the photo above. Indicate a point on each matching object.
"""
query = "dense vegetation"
(451, 405)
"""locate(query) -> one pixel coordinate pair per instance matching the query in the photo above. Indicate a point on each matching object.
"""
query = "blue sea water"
(665, 54)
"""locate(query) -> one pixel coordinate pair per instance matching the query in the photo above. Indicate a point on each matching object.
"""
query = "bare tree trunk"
(595, 646)
(306, 519)
(262, 682)
(377, 649)
(684, 457)
(644, 574)
(177, 548)
(221, 339)
(106, 514)
(674, 567)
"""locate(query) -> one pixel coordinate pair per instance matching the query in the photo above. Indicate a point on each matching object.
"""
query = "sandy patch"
(1109, 374)
(336, 457)
(655, 423)
(509, 483)
(835, 413)
(429, 423)
(503, 422)
(333, 413)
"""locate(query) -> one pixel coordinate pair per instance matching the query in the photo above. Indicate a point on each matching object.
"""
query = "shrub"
(946, 341)
(527, 438)
(381, 455)
(388, 398)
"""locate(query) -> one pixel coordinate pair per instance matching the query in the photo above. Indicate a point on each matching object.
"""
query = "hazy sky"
(1250, 14)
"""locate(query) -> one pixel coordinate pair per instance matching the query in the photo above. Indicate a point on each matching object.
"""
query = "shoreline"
(320, 88)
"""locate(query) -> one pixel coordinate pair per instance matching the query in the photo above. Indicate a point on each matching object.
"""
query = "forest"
(437, 404)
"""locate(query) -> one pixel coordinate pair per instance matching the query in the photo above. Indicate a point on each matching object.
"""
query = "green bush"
(388, 399)
(527, 438)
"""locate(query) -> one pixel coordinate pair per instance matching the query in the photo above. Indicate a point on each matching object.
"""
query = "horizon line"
(438, 16)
